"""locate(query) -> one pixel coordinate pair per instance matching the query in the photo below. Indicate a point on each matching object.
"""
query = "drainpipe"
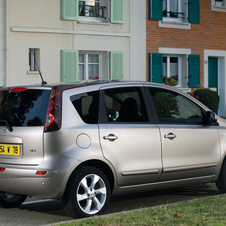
(6, 42)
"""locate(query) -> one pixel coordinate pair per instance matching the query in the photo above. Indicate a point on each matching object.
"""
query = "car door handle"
(110, 137)
(170, 136)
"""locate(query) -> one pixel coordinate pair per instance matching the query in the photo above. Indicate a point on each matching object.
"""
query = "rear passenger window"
(87, 106)
(125, 105)
(173, 108)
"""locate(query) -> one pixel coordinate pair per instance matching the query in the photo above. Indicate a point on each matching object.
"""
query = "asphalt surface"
(43, 212)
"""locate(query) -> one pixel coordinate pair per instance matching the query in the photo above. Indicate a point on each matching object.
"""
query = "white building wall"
(2, 41)
(137, 40)
(38, 25)
(49, 45)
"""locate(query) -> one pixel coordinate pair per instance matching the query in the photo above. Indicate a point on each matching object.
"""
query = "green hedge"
(209, 98)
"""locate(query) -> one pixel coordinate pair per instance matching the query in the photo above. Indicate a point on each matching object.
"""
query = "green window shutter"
(69, 9)
(194, 71)
(155, 10)
(193, 11)
(156, 67)
(116, 65)
(117, 11)
(69, 65)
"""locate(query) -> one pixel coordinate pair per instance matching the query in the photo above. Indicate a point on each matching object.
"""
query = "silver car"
(82, 142)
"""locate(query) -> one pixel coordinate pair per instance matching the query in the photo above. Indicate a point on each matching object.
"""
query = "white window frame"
(219, 3)
(168, 9)
(86, 54)
(221, 55)
(34, 60)
(179, 69)
(219, 8)
(88, 18)
(183, 54)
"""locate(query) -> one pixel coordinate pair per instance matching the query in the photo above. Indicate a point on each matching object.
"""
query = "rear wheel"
(221, 181)
(11, 200)
(87, 194)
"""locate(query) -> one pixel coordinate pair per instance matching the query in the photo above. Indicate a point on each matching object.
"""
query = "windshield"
(27, 108)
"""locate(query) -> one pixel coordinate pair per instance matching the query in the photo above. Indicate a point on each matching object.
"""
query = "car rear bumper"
(27, 182)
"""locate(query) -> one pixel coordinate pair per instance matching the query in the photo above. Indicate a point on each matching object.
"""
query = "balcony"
(171, 14)
(91, 11)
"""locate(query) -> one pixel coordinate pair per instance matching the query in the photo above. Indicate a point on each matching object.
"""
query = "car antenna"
(43, 82)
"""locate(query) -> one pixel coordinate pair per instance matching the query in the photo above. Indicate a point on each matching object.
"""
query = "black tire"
(88, 193)
(221, 181)
(11, 200)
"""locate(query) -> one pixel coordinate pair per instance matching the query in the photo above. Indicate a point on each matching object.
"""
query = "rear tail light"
(54, 110)
(49, 116)
(53, 115)
(2, 169)
(18, 89)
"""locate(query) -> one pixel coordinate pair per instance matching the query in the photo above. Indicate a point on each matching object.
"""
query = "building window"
(100, 11)
(93, 9)
(34, 59)
(173, 10)
(179, 70)
(172, 71)
(89, 66)
(176, 11)
(219, 2)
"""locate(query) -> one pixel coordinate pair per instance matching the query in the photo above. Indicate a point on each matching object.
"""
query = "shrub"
(192, 94)
(209, 98)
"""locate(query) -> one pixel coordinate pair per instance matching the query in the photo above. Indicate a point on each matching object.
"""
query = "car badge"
(5, 130)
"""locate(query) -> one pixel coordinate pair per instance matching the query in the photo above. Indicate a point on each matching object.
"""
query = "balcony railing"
(92, 11)
(173, 14)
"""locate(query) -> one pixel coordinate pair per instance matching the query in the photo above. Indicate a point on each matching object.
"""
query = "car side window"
(125, 105)
(173, 108)
(87, 106)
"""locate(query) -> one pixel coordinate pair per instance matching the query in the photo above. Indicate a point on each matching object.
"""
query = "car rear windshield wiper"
(9, 127)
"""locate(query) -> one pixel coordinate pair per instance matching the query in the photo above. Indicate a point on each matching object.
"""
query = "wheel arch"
(223, 159)
(101, 166)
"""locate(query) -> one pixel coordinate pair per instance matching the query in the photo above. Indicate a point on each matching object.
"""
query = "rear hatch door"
(22, 120)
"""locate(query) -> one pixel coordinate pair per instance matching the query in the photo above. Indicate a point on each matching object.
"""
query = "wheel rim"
(91, 194)
(11, 198)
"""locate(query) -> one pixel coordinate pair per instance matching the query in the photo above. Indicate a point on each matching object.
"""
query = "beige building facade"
(71, 40)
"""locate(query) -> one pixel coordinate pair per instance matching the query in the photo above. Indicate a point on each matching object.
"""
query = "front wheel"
(221, 181)
(87, 194)
(11, 200)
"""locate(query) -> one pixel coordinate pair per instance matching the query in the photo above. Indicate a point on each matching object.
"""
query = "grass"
(207, 211)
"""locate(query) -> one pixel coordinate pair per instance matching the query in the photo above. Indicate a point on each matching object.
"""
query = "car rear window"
(26, 108)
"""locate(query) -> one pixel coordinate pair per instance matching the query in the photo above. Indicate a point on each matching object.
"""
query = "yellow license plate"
(8, 149)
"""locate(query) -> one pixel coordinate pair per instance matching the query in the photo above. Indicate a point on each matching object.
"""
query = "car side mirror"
(211, 118)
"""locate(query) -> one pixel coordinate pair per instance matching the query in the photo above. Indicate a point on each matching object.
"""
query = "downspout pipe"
(6, 42)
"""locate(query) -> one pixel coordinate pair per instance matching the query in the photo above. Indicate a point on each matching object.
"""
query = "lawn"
(206, 211)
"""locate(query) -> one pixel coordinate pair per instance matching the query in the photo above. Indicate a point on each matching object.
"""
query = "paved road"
(40, 212)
